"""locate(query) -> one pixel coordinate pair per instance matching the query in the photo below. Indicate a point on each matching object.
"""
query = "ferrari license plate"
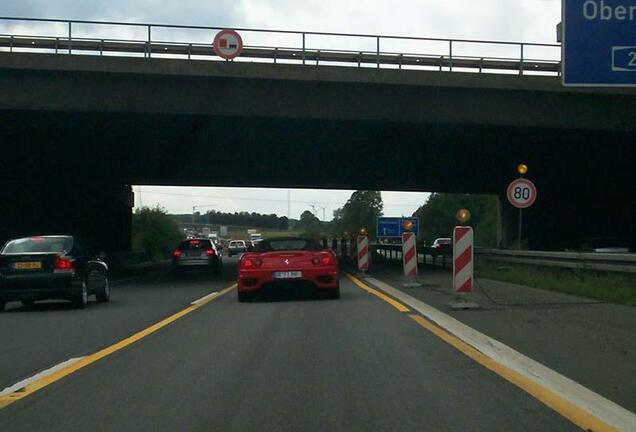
(28, 265)
(288, 275)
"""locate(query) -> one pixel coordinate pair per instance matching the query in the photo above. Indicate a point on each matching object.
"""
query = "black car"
(51, 267)
(196, 254)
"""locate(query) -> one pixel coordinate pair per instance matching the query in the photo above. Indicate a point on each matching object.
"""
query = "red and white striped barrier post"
(409, 259)
(463, 266)
(363, 253)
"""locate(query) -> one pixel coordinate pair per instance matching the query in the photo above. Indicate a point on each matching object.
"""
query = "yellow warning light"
(408, 225)
(522, 169)
(463, 215)
(363, 231)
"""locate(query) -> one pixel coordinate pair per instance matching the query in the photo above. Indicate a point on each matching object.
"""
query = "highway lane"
(36, 338)
(285, 365)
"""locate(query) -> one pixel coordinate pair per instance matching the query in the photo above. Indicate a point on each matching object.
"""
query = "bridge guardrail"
(354, 49)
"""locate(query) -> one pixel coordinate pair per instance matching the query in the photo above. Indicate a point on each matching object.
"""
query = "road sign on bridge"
(394, 226)
(599, 42)
(228, 44)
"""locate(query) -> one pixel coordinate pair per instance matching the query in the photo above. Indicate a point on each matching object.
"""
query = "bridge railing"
(284, 46)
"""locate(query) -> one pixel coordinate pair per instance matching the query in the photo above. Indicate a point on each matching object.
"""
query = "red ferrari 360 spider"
(284, 262)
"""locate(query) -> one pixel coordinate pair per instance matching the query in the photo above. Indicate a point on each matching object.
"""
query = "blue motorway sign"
(394, 226)
(599, 42)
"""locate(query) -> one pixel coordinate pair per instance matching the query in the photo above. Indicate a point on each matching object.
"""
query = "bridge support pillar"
(101, 214)
(506, 224)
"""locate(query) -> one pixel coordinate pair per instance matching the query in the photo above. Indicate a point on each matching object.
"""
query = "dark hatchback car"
(196, 254)
(51, 267)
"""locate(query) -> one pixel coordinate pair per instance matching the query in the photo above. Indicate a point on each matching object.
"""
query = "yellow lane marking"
(573, 413)
(570, 411)
(56, 376)
(399, 306)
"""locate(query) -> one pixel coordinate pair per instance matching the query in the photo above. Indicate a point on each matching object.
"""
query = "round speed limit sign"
(522, 193)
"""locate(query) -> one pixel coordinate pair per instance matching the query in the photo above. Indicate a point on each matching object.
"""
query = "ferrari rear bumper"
(253, 280)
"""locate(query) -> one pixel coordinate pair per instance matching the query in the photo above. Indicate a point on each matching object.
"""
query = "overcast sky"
(508, 20)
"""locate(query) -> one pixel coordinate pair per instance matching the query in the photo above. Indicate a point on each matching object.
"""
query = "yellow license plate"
(28, 265)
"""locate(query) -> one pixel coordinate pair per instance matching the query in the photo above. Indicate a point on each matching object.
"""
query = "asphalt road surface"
(291, 363)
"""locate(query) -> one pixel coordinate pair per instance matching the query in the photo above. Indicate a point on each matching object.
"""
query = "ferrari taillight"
(209, 252)
(176, 253)
(249, 263)
(322, 259)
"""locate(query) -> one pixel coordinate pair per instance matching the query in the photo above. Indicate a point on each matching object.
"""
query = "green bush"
(604, 286)
(154, 233)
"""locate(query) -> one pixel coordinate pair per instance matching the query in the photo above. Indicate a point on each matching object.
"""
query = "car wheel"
(104, 295)
(80, 298)
(245, 296)
(27, 303)
(332, 294)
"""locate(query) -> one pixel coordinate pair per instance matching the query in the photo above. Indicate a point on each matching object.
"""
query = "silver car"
(236, 247)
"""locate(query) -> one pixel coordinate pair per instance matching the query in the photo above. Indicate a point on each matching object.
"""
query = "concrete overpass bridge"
(78, 129)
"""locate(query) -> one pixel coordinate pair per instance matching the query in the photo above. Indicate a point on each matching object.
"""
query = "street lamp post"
(195, 207)
(521, 169)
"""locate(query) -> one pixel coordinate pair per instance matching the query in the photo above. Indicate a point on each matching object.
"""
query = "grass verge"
(605, 286)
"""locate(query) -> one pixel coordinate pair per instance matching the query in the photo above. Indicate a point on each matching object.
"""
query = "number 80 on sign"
(522, 193)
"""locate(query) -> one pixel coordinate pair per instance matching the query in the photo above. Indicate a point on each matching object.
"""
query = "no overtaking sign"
(228, 44)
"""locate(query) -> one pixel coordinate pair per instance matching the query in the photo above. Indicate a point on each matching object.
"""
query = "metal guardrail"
(446, 56)
(610, 262)
(624, 263)
(394, 252)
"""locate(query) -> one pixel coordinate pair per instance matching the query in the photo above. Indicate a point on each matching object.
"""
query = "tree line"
(437, 217)
(256, 220)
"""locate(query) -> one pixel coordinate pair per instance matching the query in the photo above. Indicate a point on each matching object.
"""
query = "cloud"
(192, 12)
(467, 19)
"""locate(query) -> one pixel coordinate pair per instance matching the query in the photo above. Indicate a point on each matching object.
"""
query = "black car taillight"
(62, 264)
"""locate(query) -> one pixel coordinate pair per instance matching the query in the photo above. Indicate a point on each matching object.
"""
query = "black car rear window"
(195, 245)
(51, 244)
(290, 244)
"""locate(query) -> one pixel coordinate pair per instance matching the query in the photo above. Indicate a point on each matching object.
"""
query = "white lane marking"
(204, 298)
(606, 410)
(25, 382)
